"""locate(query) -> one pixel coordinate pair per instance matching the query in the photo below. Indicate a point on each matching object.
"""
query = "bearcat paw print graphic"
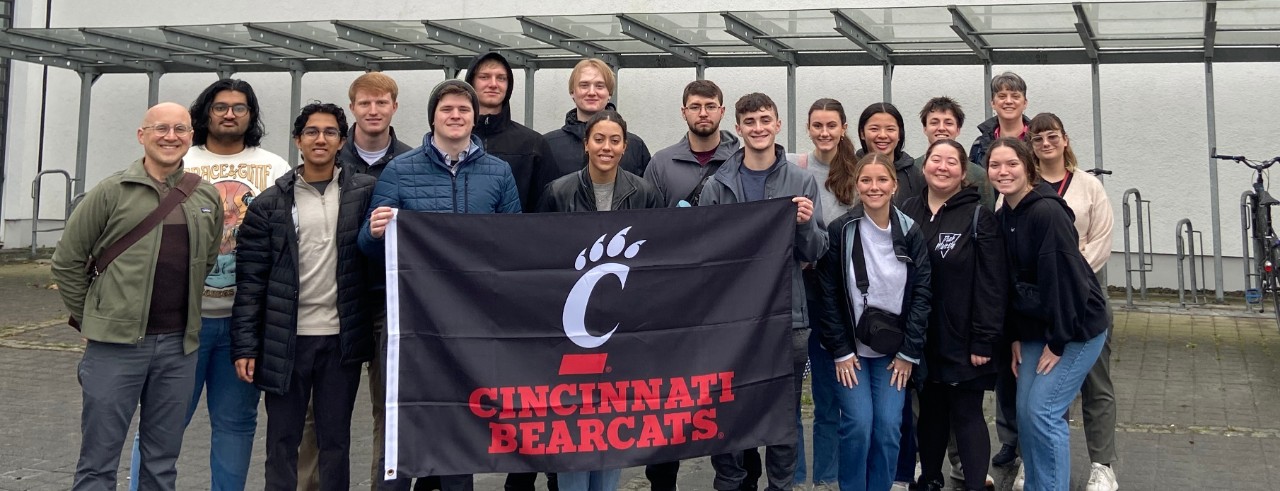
(617, 246)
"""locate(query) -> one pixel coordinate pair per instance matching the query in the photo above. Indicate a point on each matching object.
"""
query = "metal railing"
(1145, 260)
(68, 205)
(1186, 236)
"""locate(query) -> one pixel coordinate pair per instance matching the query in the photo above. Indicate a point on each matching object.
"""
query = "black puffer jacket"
(570, 155)
(523, 149)
(574, 192)
(836, 315)
(265, 316)
(349, 157)
(969, 284)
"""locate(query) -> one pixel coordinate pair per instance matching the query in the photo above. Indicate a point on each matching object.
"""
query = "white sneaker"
(1102, 478)
(822, 486)
(1020, 481)
(900, 486)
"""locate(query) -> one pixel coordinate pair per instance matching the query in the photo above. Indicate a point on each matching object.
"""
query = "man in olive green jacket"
(141, 314)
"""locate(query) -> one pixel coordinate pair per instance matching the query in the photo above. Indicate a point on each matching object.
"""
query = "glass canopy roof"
(1058, 33)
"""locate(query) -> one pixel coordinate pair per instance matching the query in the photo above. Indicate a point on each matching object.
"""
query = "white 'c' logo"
(575, 307)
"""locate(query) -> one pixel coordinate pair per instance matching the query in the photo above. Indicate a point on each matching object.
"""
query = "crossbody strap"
(860, 264)
(707, 171)
(170, 201)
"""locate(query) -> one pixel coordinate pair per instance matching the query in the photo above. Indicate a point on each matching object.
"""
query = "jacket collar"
(137, 172)
(474, 151)
(579, 128)
(622, 188)
(899, 223)
(728, 145)
(727, 172)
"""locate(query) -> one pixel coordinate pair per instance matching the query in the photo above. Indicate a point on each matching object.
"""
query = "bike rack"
(1248, 259)
(68, 205)
(1186, 239)
(1145, 260)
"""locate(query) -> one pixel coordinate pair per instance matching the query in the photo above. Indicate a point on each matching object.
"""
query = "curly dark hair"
(201, 106)
(300, 122)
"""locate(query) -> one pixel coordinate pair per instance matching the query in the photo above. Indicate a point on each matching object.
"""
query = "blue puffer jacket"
(420, 180)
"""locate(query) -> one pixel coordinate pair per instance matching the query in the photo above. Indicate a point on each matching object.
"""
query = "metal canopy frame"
(1081, 33)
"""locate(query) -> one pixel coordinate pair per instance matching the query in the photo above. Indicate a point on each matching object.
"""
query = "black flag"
(587, 341)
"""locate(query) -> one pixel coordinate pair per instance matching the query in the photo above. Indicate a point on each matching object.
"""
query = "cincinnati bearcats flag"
(587, 341)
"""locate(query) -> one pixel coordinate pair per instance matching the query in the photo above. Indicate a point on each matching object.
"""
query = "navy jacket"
(420, 180)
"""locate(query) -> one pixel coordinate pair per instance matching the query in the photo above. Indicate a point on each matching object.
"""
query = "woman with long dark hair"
(832, 163)
(1057, 312)
(874, 282)
(969, 282)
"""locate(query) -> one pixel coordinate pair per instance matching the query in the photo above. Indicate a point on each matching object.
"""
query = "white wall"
(1153, 116)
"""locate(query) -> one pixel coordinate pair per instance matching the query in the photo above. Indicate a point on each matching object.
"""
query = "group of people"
(946, 276)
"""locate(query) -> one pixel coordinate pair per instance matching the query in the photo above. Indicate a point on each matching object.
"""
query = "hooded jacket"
(986, 135)
(575, 192)
(569, 154)
(525, 150)
(784, 179)
(675, 171)
(835, 318)
(910, 177)
(265, 324)
(969, 279)
(350, 161)
(420, 180)
(1040, 236)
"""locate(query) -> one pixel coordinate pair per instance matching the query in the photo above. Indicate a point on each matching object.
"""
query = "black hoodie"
(571, 156)
(1043, 247)
(969, 280)
(523, 149)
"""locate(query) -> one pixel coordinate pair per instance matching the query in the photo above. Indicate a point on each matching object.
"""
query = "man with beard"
(679, 171)
(523, 149)
(227, 134)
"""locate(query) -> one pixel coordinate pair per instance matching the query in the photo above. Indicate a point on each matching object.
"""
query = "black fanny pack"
(877, 328)
(1026, 299)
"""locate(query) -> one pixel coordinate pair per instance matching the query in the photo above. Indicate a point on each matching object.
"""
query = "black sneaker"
(935, 485)
(1006, 456)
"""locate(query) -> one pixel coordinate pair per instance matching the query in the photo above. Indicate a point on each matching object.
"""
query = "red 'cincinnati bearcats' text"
(599, 416)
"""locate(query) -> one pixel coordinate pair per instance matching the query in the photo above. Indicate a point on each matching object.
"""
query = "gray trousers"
(115, 379)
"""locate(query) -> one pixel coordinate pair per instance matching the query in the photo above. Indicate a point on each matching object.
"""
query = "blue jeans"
(826, 416)
(1042, 402)
(870, 427)
(606, 480)
(233, 410)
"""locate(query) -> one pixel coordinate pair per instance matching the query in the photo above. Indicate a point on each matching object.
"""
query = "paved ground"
(1198, 392)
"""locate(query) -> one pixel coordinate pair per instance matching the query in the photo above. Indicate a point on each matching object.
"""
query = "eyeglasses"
(1052, 138)
(179, 130)
(313, 132)
(697, 108)
(237, 109)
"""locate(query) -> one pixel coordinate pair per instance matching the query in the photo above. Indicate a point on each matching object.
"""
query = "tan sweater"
(316, 217)
(1088, 200)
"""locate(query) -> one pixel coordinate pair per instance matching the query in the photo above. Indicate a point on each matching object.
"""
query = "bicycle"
(1265, 241)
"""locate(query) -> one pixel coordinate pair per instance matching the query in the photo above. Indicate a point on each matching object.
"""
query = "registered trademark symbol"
(608, 369)
(722, 435)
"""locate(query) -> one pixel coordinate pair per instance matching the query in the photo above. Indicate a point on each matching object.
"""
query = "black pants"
(945, 409)
(662, 477)
(523, 481)
(1006, 396)
(780, 460)
(317, 366)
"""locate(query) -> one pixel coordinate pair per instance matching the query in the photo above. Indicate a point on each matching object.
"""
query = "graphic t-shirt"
(239, 178)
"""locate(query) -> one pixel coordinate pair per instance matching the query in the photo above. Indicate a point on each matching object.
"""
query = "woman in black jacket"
(601, 186)
(1057, 311)
(876, 267)
(969, 282)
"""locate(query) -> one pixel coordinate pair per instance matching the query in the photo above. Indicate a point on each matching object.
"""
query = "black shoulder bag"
(696, 194)
(877, 328)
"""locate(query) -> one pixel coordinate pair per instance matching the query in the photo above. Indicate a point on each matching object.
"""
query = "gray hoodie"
(675, 171)
(785, 179)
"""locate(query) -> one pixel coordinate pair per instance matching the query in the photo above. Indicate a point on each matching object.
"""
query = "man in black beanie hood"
(522, 148)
